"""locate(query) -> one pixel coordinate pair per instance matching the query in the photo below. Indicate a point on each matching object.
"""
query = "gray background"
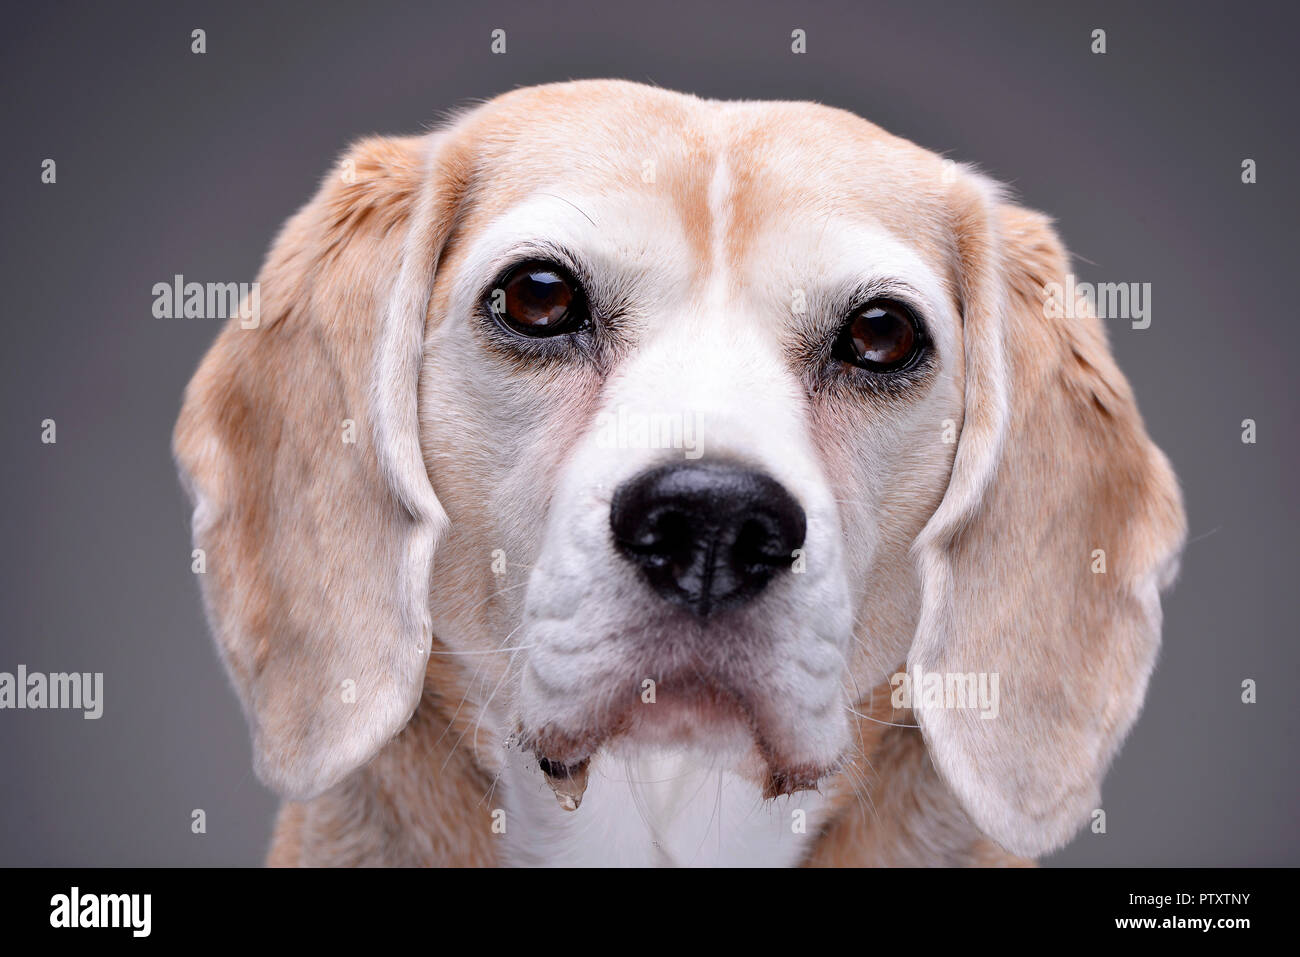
(174, 163)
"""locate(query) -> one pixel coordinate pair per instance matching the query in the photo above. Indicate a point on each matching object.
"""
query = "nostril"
(761, 544)
(664, 537)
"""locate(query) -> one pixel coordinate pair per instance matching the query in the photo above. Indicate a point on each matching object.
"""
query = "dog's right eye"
(538, 299)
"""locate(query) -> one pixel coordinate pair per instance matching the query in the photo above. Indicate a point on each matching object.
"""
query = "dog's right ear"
(298, 445)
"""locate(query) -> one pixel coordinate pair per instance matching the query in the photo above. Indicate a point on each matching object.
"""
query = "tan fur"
(320, 552)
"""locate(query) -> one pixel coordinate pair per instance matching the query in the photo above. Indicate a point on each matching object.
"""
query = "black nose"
(706, 536)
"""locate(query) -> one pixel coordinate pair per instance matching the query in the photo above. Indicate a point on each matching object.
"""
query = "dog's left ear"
(299, 445)
(1044, 561)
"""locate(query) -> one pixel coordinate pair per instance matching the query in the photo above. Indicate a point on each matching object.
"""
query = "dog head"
(684, 423)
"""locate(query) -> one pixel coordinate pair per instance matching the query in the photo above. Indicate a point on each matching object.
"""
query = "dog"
(619, 477)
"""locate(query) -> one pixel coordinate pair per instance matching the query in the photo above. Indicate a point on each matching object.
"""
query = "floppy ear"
(1053, 466)
(298, 444)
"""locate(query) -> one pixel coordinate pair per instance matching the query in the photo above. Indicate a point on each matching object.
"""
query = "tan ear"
(298, 444)
(1052, 465)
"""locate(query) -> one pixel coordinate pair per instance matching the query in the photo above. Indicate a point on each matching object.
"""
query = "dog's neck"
(428, 800)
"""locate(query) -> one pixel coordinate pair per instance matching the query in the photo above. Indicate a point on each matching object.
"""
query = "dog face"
(715, 414)
(708, 309)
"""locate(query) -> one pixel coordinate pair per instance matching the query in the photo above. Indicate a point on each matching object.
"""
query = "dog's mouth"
(697, 715)
(568, 781)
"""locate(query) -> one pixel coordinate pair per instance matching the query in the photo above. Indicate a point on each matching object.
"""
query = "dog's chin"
(713, 727)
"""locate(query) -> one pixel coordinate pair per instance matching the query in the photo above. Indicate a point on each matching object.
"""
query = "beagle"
(618, 477)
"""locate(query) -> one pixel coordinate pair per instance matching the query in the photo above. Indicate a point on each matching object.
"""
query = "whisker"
(888, 724)
(469, 687)
(571, 203)
(484, 708)
(494, 651)
(499, 591)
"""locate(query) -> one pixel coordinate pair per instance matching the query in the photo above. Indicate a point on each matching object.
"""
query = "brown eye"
(882, 336)
(538, 299)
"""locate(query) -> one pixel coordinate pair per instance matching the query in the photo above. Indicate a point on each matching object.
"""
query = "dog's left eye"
(882, 336)
(538, 299)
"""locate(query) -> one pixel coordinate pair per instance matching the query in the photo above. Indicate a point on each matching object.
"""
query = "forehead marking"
(689, 173)
(720, 195)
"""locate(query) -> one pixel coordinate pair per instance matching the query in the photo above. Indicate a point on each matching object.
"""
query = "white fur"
(655, 809)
